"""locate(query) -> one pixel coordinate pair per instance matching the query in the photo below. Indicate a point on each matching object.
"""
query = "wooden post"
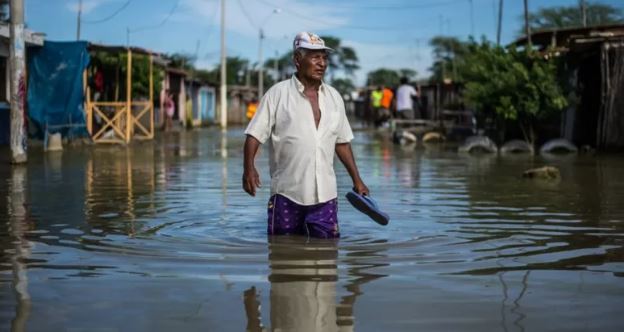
(17, 56)
(87, 103)
(151, 95)
(129, 97)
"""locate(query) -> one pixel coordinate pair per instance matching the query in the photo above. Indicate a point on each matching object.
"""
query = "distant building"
(594, 59)
(201, 99)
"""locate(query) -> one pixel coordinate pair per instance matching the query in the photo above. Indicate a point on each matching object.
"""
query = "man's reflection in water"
(303, 287)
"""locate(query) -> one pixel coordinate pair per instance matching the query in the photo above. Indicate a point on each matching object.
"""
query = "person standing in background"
(169, 110)
(375, 103)
(405, 102)
(252, 106)
(386, 105)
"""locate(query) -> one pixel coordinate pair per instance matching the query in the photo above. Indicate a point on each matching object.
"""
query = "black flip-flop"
(368, 206)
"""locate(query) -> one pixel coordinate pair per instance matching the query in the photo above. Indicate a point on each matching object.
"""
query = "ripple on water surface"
(155, 212)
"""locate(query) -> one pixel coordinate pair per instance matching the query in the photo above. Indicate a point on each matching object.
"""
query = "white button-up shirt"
(301, 157)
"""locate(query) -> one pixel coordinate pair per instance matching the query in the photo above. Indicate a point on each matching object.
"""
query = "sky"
(390, 34)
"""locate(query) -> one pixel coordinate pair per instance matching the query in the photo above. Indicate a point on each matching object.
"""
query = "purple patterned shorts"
(287, 217)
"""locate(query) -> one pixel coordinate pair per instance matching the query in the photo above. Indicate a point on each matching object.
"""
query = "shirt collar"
(300, 86)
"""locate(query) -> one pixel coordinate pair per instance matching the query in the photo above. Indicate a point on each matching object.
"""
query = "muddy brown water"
(160, 237)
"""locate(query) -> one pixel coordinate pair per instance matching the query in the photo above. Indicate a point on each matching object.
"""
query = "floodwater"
(160, 237)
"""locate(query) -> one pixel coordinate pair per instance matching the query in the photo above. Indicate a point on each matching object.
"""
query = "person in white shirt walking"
(404, 100)
(305, 124)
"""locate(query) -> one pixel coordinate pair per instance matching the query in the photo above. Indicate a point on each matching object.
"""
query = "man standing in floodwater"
(305, 123)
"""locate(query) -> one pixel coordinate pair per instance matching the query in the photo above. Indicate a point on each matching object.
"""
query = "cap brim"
(315, 48)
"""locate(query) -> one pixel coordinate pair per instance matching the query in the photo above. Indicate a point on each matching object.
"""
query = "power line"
(214, 15)
(109, 17)
(163, 22)
(249, 19)
(352, 27)
(208, 55)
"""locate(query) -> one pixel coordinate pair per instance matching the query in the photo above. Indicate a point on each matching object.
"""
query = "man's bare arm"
(345, 154)
(251, 179)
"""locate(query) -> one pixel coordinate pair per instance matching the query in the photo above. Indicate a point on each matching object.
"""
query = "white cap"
(309, 41)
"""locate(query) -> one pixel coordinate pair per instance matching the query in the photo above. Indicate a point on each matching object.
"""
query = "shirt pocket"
(333, 121)
(283, 120)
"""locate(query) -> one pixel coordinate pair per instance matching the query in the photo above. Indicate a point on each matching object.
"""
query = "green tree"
(237, 71)
(344, 85)
(383, 76)
(448, 54)
(114, 65)
(520, 86)
(342, 59)
(208, 76)
(285, 66)
(571, 16)
(140, 76)
(410, 74)
(236, 68)
(182, 61)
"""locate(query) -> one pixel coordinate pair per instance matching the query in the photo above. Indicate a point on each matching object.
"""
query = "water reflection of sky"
(163, 230)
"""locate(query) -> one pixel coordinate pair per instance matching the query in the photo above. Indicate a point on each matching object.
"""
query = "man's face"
(313, 64)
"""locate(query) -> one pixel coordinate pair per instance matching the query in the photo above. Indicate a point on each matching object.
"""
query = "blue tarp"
(55, 88)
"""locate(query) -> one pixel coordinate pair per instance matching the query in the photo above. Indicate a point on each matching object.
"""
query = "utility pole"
(260, 60)
(527, 27)
(260, 67)
(247, 76)
(500, 22)
(584, 12)
(79, 19)
(18, 83)
(223, 86)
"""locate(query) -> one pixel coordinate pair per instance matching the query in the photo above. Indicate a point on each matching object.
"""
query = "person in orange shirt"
(386, 103)
(252, 106)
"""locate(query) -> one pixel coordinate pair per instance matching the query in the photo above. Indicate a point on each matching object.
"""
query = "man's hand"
(251, 181)
(360, 188)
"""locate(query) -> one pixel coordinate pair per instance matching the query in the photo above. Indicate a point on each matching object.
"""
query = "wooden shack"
(594, 67)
